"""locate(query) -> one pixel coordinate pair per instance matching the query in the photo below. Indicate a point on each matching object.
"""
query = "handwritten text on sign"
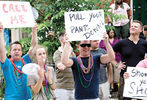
(85, 25)
(136, 84)
(16, 14)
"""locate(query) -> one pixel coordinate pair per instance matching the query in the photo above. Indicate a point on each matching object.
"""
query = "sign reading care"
(14, 14)
(136, 84)
(85, 25)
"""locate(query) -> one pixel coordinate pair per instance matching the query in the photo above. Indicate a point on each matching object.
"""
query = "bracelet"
(51, 84)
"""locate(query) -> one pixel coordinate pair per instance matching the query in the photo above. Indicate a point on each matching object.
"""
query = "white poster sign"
(15, 14)
(136, 84)
(85, 25)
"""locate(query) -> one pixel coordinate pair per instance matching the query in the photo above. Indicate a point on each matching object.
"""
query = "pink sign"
(15, 14)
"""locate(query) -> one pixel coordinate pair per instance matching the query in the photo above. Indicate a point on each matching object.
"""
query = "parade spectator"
(43, 84)
(141, 64)
(85, 68)
(121, 25)
(16, 81)
(132, 50)
(115, 72)
(105, 72)
(65, 82)
(144, 34)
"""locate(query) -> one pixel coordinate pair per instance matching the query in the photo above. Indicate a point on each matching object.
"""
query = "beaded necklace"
(46, 86)
(15, 68)
(85, 70)
(19, 80)
(91, 74)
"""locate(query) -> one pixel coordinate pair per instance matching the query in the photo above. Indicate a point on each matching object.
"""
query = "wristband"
(117, 65)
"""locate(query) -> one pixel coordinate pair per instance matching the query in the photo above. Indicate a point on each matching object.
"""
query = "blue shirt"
(15, 88)
(90, 92)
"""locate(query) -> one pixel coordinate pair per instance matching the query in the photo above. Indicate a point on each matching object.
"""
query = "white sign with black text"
(136, 84)
(85, 25)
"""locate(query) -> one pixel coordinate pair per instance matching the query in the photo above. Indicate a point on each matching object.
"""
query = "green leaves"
(51, 17)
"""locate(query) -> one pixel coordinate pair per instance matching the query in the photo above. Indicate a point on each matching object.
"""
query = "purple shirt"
(117, 55)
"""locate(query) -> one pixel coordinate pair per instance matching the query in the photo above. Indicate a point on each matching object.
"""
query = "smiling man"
(132, 50)
(86, 67)
(15, 80)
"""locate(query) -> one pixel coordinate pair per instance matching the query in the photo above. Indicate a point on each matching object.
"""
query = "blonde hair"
(36, 48)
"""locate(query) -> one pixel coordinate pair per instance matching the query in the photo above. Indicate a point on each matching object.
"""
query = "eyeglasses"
(84, 45)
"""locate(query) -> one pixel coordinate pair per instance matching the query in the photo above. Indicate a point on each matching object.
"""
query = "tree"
(51, 17)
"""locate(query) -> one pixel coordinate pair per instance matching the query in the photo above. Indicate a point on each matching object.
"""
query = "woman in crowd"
(116, 73)
(121, 25)
(44, 83)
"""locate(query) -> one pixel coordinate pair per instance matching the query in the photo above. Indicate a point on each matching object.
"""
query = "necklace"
(84, 69)
(91, 74)
(15, 68)
(18, 78)
(45, 84)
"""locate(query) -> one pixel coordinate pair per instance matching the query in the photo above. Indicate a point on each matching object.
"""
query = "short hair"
(145, 27)
(139, 22)
(16, 42)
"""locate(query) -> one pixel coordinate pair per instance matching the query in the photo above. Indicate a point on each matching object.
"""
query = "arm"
(51, 82)
(66, 54)
(57, 60)
(61, 66)
(120, 65)
(33, 40)
(129, 14)
(109, 71)
(106, 58)
(36, 88)
(2, 45)
(126, 75)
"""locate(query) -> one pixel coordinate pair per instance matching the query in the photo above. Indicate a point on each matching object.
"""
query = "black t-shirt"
(131, 53)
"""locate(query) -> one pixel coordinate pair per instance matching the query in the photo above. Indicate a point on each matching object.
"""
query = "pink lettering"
(11, 8)
(21, 18)
(4, 6)
(17, 19)
(14, 20)
(23, 8)
(17, 9)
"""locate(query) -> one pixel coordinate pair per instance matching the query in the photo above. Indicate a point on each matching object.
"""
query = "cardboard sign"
(136, 84)
(15, 14)
(85, 25)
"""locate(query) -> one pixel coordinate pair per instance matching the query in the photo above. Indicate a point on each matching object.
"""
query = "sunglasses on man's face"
(84, 45)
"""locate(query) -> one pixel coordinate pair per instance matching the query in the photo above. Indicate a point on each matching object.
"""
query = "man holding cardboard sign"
(15, 80)
(13, 15)
(86, 67)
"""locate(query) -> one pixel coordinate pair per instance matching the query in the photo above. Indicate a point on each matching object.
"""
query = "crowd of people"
(90, 75)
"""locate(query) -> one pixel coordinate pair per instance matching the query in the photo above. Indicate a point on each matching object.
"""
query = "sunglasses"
(84, 45)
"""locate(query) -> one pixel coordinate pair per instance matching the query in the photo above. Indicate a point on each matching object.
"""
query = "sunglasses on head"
(84, 45)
